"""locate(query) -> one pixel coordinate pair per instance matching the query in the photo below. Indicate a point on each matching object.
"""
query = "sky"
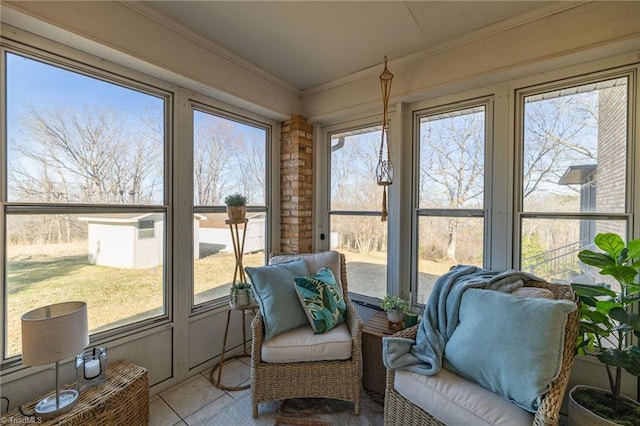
(33, 83)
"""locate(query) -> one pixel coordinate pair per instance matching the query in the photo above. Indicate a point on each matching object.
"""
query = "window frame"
(485, 213)
(132, 81)
(203, 106)
(322, 187)
(630, 73)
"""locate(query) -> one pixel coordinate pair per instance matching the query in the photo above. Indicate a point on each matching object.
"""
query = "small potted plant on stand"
(395, 308)
(606, 329)
(240, 294)
(236, 207)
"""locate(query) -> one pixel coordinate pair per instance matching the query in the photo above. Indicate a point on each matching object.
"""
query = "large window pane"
(77, 139)
(228, 157)
(361, 237)
(363, 241)
(80, 142)
(437, 254)
(452, 160)
(111, 261)
(550, 248)
(214, 261)
(575, 155)
(354, 157)
(450, 193)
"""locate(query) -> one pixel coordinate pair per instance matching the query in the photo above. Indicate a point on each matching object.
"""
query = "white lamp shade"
(54, 332)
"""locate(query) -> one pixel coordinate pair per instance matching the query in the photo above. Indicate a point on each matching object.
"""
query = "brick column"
(296, 186)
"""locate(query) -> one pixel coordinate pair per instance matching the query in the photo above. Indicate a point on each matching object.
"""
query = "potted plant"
(240, 294)
(236, 207)
(606, 329)
(395, 307)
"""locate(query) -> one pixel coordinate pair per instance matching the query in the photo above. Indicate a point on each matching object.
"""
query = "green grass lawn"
(41, 275)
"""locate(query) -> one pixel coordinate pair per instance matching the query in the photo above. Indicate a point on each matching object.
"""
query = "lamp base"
(46, 408)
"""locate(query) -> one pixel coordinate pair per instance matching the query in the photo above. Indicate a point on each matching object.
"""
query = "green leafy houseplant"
(606, 321)
(390, 303)
(236, 207)
(234, 290)
(236, 199)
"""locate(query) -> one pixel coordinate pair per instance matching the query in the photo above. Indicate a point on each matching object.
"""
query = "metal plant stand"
(238, 276)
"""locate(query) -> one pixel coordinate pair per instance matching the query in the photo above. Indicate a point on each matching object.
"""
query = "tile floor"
(197, 402)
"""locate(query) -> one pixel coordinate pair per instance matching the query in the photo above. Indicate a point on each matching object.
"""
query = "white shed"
(132, 241)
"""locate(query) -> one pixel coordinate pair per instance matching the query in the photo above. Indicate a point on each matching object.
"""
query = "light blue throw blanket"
(424, 355)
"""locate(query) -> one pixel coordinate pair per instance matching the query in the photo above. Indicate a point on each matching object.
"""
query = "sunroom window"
(573, 174)
(85, 157)
(450, 178)
(229, 156)
(355, 227)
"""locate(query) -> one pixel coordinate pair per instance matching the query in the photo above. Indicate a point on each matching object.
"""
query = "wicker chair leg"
(356, 407)
(255, 411)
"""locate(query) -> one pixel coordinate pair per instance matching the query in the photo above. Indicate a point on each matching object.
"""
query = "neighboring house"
(584, 175)
(132, 241)
(601, 186)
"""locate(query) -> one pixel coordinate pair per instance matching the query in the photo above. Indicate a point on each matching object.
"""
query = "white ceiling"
(309, 43)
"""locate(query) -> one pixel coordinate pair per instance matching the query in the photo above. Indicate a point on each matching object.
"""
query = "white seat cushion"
(301, 344)
(457, 401)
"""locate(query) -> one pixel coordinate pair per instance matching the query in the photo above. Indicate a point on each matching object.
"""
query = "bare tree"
(452, 168)
(554, 136)
(250, 159)
(353, 187)
(214, 142)
(452, 154)
(65, 155)
(82, 156)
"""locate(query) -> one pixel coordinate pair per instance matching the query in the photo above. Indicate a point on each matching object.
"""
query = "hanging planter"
(384, 169)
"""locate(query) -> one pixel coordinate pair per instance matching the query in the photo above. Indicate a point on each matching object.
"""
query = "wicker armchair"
(340, 379)
(400, 411)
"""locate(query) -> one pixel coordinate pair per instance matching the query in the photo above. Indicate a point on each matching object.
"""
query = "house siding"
(612, 156)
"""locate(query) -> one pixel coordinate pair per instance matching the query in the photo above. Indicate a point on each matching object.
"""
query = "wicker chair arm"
(257, 330)
(407, 333)
(355, 326)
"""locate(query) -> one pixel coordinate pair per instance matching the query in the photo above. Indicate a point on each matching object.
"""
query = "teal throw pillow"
(509, 345)
(274, 290)
(322, 300)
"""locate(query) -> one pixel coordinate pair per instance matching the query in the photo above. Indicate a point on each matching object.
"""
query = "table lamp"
(50, 334)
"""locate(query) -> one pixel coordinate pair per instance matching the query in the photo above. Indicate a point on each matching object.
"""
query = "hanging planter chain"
(384, 170)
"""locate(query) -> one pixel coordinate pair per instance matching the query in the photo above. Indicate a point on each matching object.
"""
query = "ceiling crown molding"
(491, 30)
(215, 48)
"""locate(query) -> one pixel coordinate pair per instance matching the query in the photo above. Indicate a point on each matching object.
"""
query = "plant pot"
(582, 416)
(394, 315)
(237, 213)
(242, 297)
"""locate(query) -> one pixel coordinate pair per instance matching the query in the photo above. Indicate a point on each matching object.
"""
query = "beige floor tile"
(160, 414)
(234, 372)
(239, 413)
(203, 416)
(241, 393)
(191, 395)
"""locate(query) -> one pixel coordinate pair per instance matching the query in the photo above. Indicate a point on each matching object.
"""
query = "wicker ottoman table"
(374, 374)
(123, 400)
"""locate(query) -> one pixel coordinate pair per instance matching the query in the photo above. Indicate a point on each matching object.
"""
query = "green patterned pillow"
(321, 299)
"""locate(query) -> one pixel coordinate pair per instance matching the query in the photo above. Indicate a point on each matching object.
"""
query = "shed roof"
(125, 217)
